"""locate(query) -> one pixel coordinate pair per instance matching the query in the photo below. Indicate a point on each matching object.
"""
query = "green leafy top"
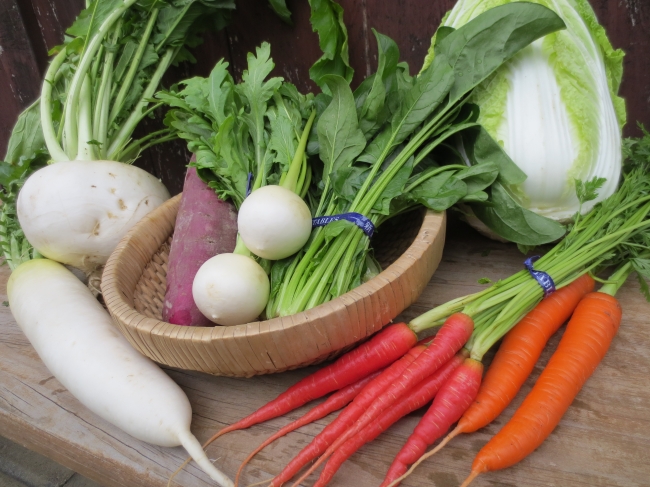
(239, 128)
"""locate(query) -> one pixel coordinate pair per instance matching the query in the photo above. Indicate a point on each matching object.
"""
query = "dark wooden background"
(28, 28)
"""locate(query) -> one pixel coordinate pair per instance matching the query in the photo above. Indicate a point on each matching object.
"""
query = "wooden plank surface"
(603, 439)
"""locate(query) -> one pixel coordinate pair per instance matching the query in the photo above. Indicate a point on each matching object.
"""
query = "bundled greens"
(379, 148)
(397, 142)
(616, 233)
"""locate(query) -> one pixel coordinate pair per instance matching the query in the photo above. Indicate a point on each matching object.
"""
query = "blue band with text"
(544, 280)
(248, 184)
(358, 219)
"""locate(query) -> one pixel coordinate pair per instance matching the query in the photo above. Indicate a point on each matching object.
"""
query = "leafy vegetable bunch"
(395, 143)
(236, 130)
(400, 141)
(97, 88)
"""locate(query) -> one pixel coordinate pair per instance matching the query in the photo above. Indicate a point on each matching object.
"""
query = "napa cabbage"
(554, 108)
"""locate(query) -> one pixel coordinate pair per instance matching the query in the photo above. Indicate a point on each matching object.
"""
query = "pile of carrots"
(393, 374)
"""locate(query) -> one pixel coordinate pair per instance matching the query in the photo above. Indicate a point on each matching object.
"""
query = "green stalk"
(57, 154)
(102, 107)
(307, 182)
(617, 279)
(241, 249)
(70, 131)
(85, 151)
(133, 68)
(291, 180)
(139, 110)
(430, 174)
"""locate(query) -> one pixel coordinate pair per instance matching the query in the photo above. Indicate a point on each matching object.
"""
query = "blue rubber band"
(543, 279)
(248, 184)
(358, 219)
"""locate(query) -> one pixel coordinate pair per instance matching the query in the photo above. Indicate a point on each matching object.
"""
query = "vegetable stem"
(57, 154)
(133, 68)
(139, 111)
(70, 133)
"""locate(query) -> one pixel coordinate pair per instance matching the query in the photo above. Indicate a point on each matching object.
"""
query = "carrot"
(381, 350)
(450, 403)
(584, 344)
(415, 399)
(348, 416)
(453, 334)
(333, 403)
(517, 356)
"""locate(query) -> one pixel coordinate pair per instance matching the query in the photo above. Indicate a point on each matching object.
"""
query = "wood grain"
(602, 440)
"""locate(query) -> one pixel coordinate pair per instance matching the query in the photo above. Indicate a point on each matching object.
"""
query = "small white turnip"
(274, 222)
(231, 289)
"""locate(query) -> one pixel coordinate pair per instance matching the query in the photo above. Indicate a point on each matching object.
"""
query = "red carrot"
(381, 350)
(450, 403)
(348, 416)
(583, 345)
(418, 397)
(333, 403)
(450, 338)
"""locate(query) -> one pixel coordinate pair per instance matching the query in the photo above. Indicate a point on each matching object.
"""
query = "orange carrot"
(584, 344)
(517, 356)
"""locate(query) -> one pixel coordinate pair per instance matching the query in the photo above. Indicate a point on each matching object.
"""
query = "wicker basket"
(133, 284)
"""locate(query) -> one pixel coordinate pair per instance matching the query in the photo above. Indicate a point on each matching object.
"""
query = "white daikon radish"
(76, 212)
(77, 341)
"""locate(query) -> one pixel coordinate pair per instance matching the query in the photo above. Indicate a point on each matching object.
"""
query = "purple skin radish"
(205, 226)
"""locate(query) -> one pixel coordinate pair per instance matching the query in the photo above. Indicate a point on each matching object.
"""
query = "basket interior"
(389, 242)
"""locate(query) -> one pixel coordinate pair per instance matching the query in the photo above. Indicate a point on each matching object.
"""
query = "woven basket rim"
(431, 225)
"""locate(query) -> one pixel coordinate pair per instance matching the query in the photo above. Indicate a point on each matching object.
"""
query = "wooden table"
(603, 440)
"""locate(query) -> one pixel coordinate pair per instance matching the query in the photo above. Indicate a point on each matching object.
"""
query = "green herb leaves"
(327, 20)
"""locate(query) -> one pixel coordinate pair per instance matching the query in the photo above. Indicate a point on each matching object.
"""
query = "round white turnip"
(231, 289)
(274, 222)
(76, 212)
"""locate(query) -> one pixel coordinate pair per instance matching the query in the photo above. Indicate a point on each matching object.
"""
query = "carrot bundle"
(381, 350)
(418, 397)
(517, 356)
(584, 344)
(450, 339)
(347, 417)
(333, 403)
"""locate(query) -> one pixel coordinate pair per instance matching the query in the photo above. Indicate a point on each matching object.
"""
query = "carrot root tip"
(472, 476)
